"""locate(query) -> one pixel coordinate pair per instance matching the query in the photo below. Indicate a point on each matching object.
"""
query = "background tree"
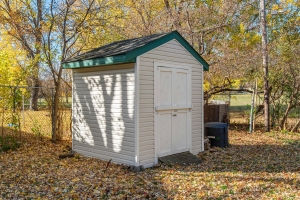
(13, 71)
(284, 59)
(23, 20)
(264, 38)
(66, 33)
(225, 33)
(51, 33)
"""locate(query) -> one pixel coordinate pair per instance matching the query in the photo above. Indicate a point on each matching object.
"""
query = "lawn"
(257, 166)
(241, 99)
(239, 102)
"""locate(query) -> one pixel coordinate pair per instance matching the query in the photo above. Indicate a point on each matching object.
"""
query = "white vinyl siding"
(171, 52)
(103, 120)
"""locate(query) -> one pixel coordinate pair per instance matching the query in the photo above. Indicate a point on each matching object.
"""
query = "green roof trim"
(131, 56)
(173, 35)
(111, 60)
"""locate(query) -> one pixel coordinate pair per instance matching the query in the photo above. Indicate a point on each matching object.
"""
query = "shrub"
(8, 143)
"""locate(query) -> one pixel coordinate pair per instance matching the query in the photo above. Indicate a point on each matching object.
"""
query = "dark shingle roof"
(126, 51)
(116, 48)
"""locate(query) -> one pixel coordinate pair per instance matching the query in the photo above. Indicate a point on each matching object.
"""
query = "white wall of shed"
(171, 52)
(103, 116)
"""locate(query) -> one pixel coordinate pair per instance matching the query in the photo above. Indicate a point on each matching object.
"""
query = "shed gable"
(170, 52)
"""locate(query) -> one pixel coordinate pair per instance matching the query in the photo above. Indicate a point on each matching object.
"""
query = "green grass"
(241, 100)
(238, 102)
(235, 99)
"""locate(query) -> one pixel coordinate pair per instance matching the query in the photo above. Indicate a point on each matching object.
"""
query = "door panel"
(165, 142)
(165, 86)
(179, 132)
(180, 83)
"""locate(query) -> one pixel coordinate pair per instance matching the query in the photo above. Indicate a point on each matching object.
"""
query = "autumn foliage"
(257, 166)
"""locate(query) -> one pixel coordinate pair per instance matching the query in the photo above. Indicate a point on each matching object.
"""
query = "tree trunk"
(296, 126)
(67, 96)
(285, 116)
(55, 110)
(265, 63)
(54, 115)
(38, 42)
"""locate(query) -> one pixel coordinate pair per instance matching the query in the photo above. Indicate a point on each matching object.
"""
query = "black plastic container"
(217, 132)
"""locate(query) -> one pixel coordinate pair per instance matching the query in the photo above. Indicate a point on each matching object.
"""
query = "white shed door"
(173, 104)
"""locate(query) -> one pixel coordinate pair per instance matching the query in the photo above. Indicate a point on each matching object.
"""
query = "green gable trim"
(163, 40)
(119, 59)
(130, 57)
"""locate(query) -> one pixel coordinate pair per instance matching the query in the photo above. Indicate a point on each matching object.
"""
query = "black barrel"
(217, 132)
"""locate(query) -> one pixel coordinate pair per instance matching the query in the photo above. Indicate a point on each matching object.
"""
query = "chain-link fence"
(240, 110)
(21, 116)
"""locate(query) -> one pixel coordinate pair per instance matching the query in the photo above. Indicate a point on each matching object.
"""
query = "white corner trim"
(202, 106)
(156, 118)
(137, 111)
(72, 109)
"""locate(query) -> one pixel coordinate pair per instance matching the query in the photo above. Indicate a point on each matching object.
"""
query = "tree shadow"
(102, 106)
(253, 158)
(239, 171)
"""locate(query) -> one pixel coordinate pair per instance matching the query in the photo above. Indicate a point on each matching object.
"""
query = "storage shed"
(137, 100)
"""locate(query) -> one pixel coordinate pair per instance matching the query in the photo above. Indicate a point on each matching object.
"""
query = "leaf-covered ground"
(257, 166)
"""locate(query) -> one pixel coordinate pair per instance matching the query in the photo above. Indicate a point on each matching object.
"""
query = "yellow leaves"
(10, 69)
(232, 173)
(275, 7)
(51, 181)
(75, 179)
(242, 28)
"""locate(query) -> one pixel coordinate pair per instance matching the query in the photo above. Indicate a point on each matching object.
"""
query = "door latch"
(174, 113)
